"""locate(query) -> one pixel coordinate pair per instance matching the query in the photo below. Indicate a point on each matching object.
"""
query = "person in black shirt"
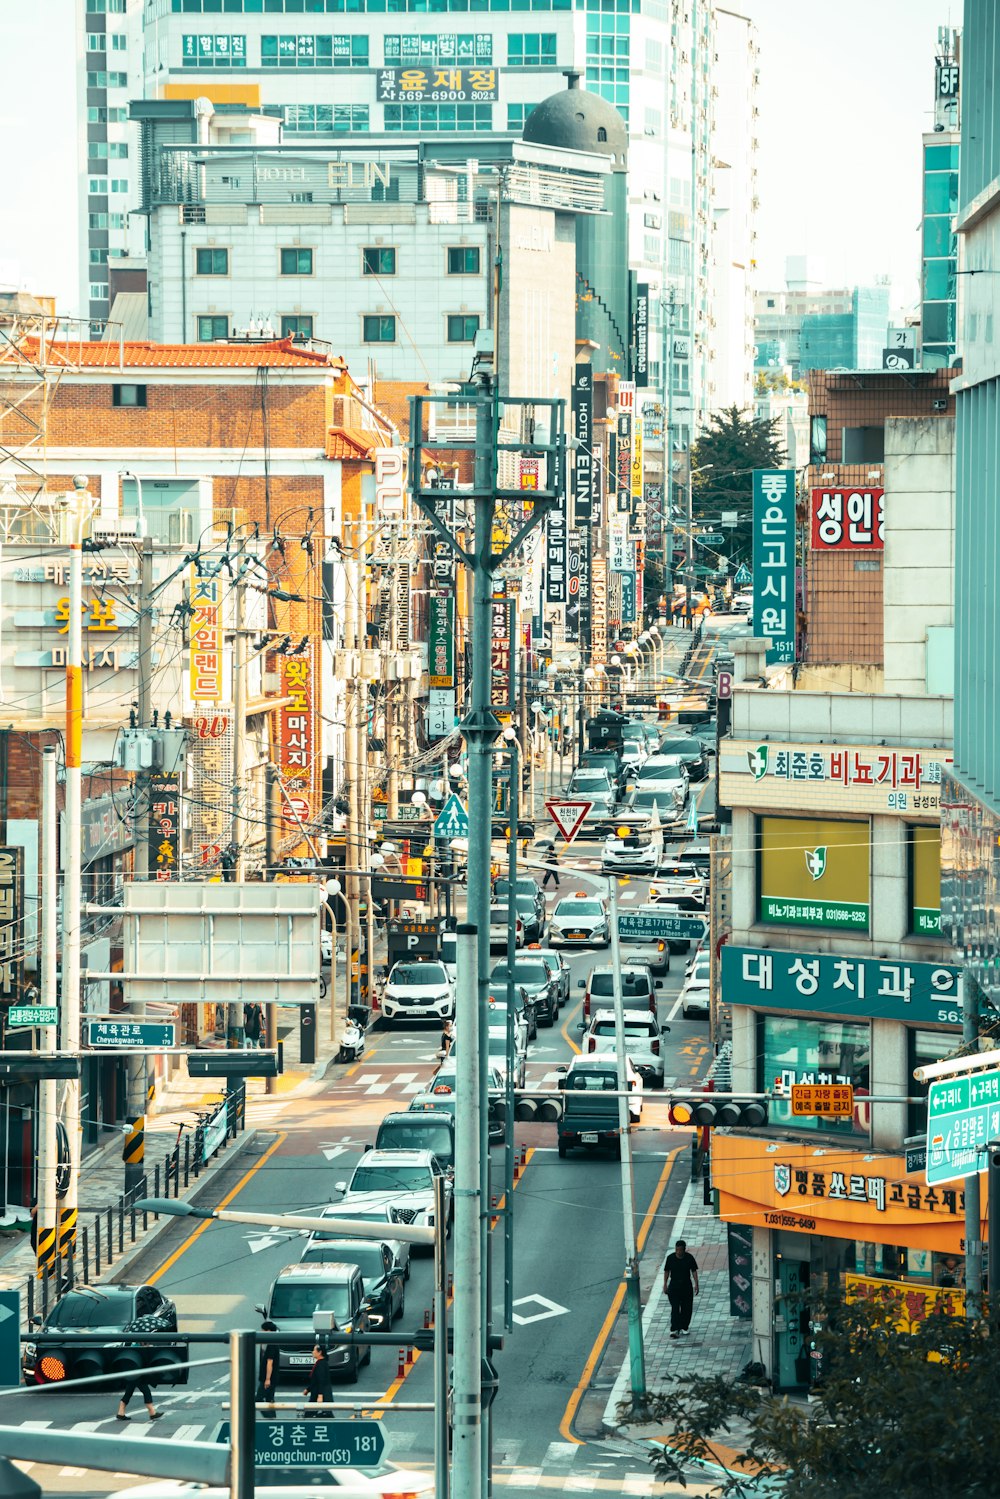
(680, 1283)
(267, 1374)
(320, 1386)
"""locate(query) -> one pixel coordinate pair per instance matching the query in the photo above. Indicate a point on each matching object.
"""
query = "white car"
(642, 1042)
(399, 1181)
(742, 603)
(636, 853)
(696, 990)
(418, 989)
(499, 923)
(580, 920)
(634, 753)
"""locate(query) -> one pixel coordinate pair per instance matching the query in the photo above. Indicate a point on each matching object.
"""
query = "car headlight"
(29, 1350)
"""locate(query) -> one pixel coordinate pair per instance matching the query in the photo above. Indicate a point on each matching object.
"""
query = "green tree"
(734, 443)
(901, 1409)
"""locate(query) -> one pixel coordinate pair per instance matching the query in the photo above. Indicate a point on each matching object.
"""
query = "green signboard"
(963, 1116)
(32, 1015)
(441, 639)
(774, 560)
(315, 1443)
(831, 984)
(710, 539)
(654, 926)
(131, 1033)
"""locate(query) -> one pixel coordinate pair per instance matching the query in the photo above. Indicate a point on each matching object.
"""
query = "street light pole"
(514, 809)
(467, 1455)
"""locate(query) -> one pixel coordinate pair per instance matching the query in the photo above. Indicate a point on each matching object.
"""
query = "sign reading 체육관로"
(831, 777)
(814, 872)
(774, 560)
(853, 988)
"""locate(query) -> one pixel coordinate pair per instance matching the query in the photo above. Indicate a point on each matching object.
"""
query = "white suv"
(418, 990)
(642, 1042)
(400, 1181)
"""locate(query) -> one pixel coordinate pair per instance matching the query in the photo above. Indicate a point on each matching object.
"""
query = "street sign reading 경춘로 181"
(315, 1443)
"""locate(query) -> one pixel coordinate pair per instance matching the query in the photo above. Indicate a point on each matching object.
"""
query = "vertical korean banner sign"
(297, 730)
(164, 825)
(774, 560)
(206, 636)
(583, 485)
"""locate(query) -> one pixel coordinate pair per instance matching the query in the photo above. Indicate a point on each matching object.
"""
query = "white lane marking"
(331, 1151)
(376, 1087)
(549, 1309)
(676, 1009)
(187, 1433)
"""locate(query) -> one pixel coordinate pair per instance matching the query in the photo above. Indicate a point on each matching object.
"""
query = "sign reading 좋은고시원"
(774, 560)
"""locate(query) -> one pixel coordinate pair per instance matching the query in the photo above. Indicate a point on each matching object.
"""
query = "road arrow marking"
(333, 1151)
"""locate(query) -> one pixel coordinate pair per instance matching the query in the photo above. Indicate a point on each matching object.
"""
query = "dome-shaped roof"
(579, 121)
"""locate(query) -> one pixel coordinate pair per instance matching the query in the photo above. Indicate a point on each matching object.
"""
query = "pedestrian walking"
(253, 1024)
(680, 1283)
(551, 861)
(142, 1386)
(320, 1386)
(267, 1373)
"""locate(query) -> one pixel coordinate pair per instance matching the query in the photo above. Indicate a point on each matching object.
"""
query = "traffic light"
(706, 1109)
(538, 1110)
(232, 1064)
(30, 1067)
(61, 1362)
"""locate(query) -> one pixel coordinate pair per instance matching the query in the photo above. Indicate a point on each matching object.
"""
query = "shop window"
(793, 1050)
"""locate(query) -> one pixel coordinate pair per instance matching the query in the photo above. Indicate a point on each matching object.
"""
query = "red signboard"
(847, 518)
(297, 734)
(501, 677)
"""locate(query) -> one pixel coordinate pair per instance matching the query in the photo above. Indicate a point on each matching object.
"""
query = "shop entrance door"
(790, 1342)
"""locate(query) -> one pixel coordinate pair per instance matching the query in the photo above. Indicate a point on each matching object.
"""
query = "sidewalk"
(102, 1173)
(719, 1344)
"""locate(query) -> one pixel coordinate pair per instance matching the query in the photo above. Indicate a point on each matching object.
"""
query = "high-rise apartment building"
(939, 243)
(400, 70)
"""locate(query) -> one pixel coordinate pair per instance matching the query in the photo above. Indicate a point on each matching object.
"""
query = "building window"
(797, 1050)
(97, 116)
(97, 41)
(212, 326)
(211, 262)
(378, 329)
(462, 327)
(812, 872)
(298, 327)
(531, 49)
(304, 51)
(97, 80)
(296, 262)
(117, 150)
(435, 117)
(117, 80)
(128, 395)
(97, 221)
(119, 42)
(98, 291)
(206, 49)
(98, 257)
(116, 221)
(119, 184)
(98, 186)
(517, 115)
(377, 260)
(463, 260)
(97, 150)
(325, 119)
(817, 439)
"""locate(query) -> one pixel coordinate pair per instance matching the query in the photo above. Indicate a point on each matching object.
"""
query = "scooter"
(352, 1042)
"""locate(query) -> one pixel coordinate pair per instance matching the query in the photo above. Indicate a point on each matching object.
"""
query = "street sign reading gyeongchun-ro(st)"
(654, 926)
(130, 1033)
(32, 1015)
(315, 1443)
(963, 1116)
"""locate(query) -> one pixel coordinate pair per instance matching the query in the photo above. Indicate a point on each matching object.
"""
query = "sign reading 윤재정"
(853, 988)
(832, 777)
(438, 85)
(847, 518)
(774, 560)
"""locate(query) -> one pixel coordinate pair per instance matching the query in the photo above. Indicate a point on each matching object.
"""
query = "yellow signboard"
(814, 872)
(925, 881)
(822, 1098)
(916, 1302)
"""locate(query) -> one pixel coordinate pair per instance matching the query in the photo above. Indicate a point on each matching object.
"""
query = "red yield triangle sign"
(568, 816)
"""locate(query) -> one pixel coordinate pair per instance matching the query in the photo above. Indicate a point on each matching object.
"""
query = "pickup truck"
(590, 1106)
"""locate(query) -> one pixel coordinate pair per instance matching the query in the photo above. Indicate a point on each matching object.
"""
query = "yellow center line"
(173, 1258)
(597, 1352)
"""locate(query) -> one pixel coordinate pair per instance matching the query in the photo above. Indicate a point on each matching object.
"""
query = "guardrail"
(108, 1233)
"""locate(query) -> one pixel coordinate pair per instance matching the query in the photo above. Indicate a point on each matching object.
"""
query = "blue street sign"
(313, 1443)
(10, 1338)
(453, 820)
(743, 576)
(652, 926)
(130, 1033)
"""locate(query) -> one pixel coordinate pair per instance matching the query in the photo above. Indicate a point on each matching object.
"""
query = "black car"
(690, 751)
(383, 1279)
(533, 975)
(124, 1313)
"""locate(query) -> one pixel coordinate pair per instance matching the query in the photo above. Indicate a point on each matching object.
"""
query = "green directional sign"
(963, 1115)
(131, 1033)
(655, 926)
(710, 539)
(32, 1015)
(315, 1443)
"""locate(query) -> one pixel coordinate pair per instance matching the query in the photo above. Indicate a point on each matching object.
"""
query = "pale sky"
(846, 90)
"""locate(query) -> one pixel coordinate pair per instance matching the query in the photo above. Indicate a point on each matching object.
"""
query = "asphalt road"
(568, 1251)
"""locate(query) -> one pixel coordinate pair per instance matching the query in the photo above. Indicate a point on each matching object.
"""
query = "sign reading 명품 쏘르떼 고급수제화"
(774, 560)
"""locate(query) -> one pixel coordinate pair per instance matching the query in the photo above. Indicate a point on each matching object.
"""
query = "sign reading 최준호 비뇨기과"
(774, 560)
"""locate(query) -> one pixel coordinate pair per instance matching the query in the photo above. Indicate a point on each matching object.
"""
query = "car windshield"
(418, 974)
(392, 1179)
(81, 1309)
(524, 903)
(522, 886)
(595, 1082)
(652, 771)
(449, 948)
(590, 780)
(524, 973)
(445, 1102)
(632, 982)
(297, 1300)
(399, 1134)
(499, 914)
(569, 908)
(645, 800)
(632, 1028)
(366, 1255)
(680, 747)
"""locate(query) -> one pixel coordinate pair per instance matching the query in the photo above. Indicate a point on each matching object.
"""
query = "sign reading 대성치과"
(831, 984)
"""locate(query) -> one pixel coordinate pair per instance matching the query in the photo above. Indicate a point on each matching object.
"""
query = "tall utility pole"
(480, 729)
(633, 1293)
(389, 689)
(135, 1067)
(353, 841)
(72, 856)
(973, 1229)
(234, 1017)
(48, 1154)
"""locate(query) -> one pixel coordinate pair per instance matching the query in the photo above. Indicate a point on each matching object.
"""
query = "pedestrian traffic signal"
(539, 1110)
(31, 1068)
(232, 1064)
(706, 1109)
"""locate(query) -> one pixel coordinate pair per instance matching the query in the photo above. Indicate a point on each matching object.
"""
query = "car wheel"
(406, 1273)
(402, 1306)
(563, 1149)
(354, 1370)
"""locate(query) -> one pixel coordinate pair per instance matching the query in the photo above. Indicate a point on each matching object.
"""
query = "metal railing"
(110, 1231)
